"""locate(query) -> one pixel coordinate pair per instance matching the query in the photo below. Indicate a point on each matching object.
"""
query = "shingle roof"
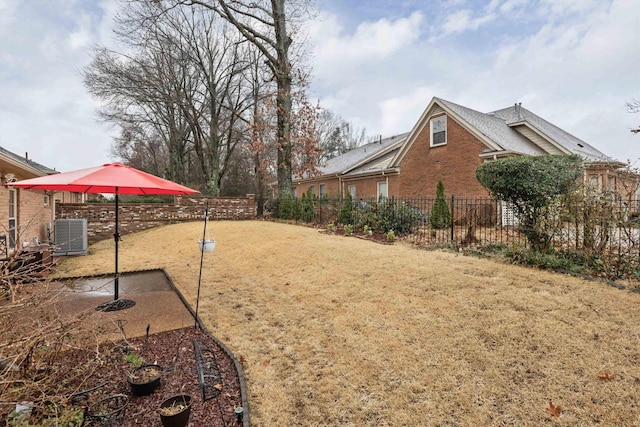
(360, 154)
(495, 128)
(575, 145)
(377, 164)
(44, 170)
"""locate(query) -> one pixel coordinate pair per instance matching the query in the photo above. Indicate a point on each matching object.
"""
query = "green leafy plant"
(345, 215)
(307, 206)
(391, 236)
(134, 360)
(440, 214)
(532, 185)
(348, 230)
(387, 215)
(286, 207)
(331, 227)
(366, 230)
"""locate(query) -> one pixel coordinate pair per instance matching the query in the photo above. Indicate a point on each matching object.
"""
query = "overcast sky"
(376, 63)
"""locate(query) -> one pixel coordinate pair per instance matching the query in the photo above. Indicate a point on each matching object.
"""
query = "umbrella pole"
(204, 234)
(116, 236)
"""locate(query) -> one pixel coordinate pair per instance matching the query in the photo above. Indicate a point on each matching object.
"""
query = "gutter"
(494, 155)
(385, 172)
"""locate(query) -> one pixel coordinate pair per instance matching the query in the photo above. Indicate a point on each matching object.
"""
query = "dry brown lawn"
(335, 330)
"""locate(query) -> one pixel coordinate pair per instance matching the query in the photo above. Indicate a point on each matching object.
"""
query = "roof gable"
(489, 129)
(516, 116)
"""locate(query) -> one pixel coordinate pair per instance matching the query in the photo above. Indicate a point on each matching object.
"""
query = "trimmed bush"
(307, 207)
(440, 214)
(286, 208)
(345, 215)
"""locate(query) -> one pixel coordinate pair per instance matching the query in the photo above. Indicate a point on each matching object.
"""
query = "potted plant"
(175, 411)
(144, 379)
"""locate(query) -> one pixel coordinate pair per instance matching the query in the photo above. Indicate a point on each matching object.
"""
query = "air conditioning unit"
(70, 237)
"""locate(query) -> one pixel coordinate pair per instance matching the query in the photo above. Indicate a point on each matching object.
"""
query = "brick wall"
(134, 217)
(367, 188)
(332, 187)
(33, 215)
(455, 163)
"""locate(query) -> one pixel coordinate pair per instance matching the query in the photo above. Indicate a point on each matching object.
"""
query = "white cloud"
(554, 9)
(511, 5)
(7, 14)
(337, 53)
(575, 72)
(462, 20)
(399, 114)
(45, 109)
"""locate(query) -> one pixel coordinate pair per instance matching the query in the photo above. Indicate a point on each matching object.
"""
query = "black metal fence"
(601, 226)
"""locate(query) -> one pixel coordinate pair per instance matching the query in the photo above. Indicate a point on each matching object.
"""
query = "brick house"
(448, 142)
(25, 214)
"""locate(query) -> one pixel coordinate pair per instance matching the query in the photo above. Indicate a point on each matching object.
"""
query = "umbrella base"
(119, 304)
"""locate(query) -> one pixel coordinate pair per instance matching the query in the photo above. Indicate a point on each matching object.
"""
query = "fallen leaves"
(554, 410)
(605, 376)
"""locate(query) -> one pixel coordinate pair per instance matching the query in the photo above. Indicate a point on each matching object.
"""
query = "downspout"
(387, 183)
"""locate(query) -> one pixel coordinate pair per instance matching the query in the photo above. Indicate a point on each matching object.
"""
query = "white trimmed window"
(322, 190)
(382, 190)
(294, 192)
(46, 200)
(352, 192)
(438, 131)
(312, 189)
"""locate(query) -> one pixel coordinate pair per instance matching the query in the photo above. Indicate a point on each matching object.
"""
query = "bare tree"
(264, 24)
(182, 86)
(141, 149)
(633, 106)
(217, 99)
(336, 136)
(262, 128)
(137, 95)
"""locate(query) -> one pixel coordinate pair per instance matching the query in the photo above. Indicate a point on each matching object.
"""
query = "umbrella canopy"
(112, 178)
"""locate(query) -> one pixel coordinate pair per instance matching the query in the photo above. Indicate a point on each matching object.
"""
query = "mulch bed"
(173, 351)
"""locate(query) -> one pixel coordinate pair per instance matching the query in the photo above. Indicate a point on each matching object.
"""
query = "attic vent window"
(438, 131)
(580, 145)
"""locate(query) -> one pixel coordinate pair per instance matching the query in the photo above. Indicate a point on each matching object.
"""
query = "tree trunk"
(283, 101)
(283, 104)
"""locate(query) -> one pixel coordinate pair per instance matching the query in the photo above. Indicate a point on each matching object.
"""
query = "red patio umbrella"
(112, 178)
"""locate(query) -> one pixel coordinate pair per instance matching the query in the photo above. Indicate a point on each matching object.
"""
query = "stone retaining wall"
(134, 217)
